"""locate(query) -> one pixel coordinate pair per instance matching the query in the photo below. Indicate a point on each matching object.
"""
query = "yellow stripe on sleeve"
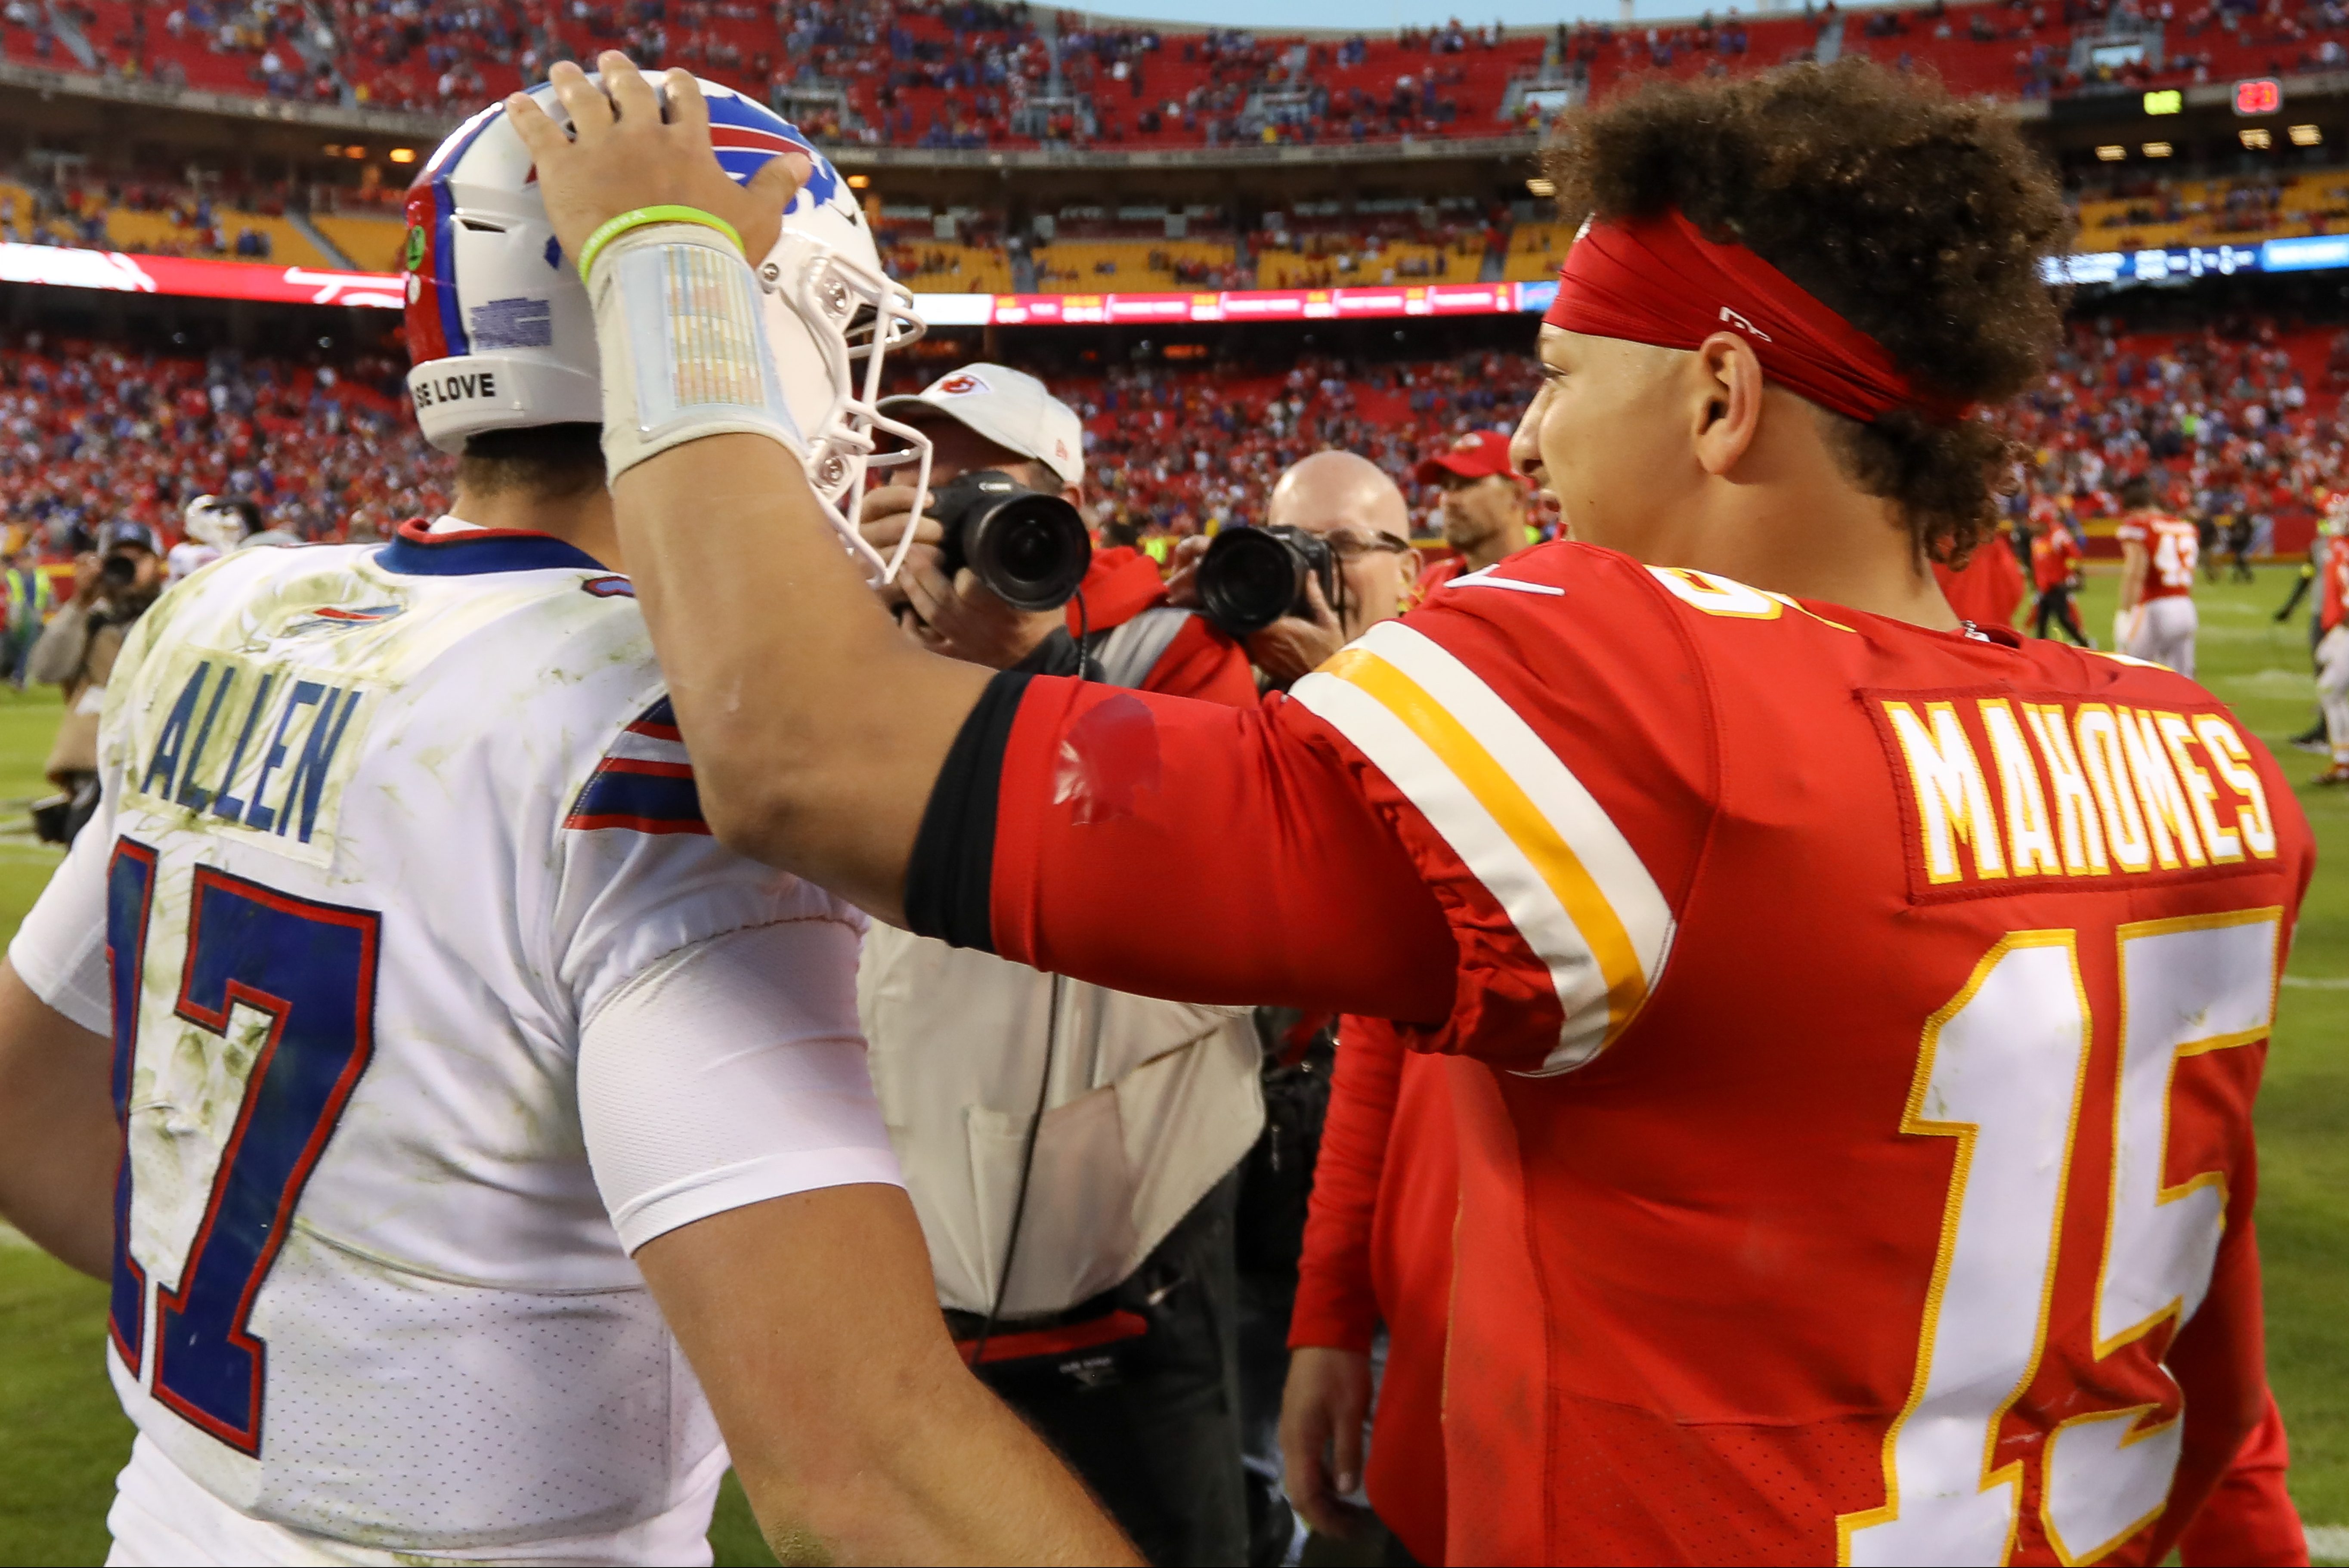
(1533, 833)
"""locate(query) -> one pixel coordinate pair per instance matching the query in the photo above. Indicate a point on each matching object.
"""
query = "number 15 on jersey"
(2003, 1072)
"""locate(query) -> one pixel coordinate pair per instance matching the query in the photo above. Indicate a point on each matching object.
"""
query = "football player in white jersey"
(214, 525)
(470, 1139)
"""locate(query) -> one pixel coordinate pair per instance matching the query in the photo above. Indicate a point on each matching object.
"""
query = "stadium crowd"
(2244, 418)
(91, 433)
(968, 74)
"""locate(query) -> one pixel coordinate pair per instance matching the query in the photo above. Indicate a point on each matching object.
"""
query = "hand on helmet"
(623, 153)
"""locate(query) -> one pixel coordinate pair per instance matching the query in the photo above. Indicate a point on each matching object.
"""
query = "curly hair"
(1920, 217)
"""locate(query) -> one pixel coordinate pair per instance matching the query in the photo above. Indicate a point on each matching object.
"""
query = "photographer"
(987, 417)
(1073, 1153)
(113, 587)
(1350, 506)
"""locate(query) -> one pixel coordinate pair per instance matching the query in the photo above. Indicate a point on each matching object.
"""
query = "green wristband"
(638, 218)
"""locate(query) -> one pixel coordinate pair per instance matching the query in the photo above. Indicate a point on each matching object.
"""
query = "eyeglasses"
(1347, 544)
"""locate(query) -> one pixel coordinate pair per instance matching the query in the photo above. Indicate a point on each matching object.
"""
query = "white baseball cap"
(1009, 408)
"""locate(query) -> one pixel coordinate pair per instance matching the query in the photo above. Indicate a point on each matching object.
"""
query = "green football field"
(62, 1438)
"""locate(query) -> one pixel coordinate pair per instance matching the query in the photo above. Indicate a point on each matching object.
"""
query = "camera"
(118, 570)
(1029, 549)
(1251, 577)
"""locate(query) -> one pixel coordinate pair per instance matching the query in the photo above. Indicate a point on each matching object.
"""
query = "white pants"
(2332, 688)
(160, 1518)
(2165, 633)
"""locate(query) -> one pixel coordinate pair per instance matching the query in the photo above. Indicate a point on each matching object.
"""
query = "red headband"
(1657, 279)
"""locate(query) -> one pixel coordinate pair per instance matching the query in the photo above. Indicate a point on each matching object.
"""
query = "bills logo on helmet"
(746, 135)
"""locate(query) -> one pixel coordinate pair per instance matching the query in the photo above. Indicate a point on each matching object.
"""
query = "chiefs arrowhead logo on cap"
(1467, 443)
(961, 384)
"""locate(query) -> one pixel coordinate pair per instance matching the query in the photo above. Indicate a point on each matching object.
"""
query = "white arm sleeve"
(59, 952)
(730, 1072)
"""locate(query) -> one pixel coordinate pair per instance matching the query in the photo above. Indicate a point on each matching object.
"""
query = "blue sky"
(1386, 14)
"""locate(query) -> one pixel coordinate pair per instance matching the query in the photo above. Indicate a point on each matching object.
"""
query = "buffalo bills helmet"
(502, 335)
(222, 522)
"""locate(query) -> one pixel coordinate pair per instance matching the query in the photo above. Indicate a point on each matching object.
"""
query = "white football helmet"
(502, 335)
(220, 523)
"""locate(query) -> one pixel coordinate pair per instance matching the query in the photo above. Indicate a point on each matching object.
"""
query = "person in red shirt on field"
(1753, 1262)
(2332, 642)
(1377, 1251)
(1485, 517)
(2055, 572)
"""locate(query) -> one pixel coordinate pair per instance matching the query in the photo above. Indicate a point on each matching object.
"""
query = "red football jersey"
(1857, 1025)
(2333, 583)
(2172, 548)
(1989, 588)
(2055, 556)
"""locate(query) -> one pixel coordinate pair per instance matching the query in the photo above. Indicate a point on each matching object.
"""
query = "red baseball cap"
(1474, 456)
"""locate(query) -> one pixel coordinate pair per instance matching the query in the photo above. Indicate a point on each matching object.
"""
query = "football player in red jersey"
(2055, 572)
(1754, 1263)
(2332, 644)
(2157, 619)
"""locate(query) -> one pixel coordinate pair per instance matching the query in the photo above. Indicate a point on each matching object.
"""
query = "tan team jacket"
(1149, 1103)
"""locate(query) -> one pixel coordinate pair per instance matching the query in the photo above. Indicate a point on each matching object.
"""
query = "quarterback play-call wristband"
(612, 229)
(680, 327)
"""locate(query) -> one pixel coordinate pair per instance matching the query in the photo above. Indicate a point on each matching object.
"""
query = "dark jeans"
(1161, 1445)
(2055, 605)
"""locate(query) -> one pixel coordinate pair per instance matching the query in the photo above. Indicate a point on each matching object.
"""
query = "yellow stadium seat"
(375, 244)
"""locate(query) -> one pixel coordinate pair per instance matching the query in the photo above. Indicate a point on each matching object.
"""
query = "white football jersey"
(189, 557)
(382, 825)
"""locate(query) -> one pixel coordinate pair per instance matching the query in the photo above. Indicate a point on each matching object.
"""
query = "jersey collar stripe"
(1515, 816)
(417, 553)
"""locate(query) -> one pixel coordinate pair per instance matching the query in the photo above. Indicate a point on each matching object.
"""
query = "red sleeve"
(1336, 1304)
(2251, 1519)
(1126, 816)
(1285, 853)
(1202, 661)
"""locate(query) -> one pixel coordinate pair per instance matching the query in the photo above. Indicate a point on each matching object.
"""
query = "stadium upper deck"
(964, 74)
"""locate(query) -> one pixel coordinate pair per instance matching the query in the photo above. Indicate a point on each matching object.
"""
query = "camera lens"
(119, 570)
(1031, 551)
(1248, 579)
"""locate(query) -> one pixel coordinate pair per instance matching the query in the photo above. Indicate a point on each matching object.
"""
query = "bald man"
(1350, 502)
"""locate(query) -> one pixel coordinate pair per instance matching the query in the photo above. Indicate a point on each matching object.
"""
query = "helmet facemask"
(849, 316)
